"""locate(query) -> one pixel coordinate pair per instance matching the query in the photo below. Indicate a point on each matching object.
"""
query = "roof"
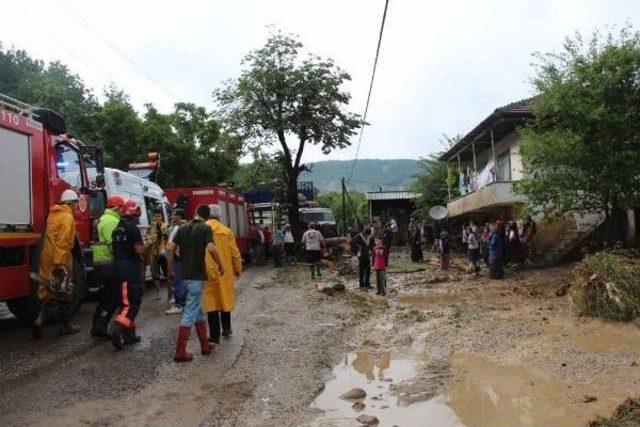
(391, 195)
(516, 110)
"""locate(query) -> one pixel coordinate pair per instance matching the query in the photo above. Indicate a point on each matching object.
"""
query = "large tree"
(582, 151)
(355, 210)
(290, 100)
(431, 185)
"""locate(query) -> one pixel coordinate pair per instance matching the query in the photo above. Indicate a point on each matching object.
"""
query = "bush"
(607, 286)
(625, 415)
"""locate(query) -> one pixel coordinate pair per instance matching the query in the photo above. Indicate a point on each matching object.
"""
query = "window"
(318, 217)
(503, 170)
(68, 165)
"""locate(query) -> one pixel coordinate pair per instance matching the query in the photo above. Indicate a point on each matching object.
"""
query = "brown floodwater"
(375, 373)
(486, 393)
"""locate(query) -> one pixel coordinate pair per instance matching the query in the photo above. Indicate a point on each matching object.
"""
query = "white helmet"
(68, 196)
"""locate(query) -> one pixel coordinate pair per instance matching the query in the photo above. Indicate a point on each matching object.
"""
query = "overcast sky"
(444, 65)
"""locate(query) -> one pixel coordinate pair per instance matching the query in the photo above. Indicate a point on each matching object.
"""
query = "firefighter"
(56, 264)
(104, 267)
(127, 252)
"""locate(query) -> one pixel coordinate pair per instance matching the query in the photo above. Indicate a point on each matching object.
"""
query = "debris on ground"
(354, 393)
(608, 286)
(625, 415)
(359, 406)
(588, 398)
(368, 420)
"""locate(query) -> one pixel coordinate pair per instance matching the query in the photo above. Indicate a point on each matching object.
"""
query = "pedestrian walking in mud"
(496, 253)
(444, 250)
(364, 244)
(219, 298)
(313, 243)
(289, 245)
(178, 290)
(415, 240)
(380, 257)
(277, 243)
(104, 266)
(484, 243)
(127, 251)
(55, 271)
(473, 249)
(193, 240)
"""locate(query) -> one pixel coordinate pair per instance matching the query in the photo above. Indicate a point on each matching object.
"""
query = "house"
(488, 162)
(399, 205)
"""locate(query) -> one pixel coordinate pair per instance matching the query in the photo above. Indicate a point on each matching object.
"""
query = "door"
(70, 175)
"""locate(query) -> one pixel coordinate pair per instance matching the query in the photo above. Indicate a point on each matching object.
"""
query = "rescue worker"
(103, 266)
(152, 245)
(127, 252)
(56, 264)
(219, 291)
(193, 240)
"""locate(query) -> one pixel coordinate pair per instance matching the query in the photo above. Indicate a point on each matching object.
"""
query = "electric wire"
(373, 75)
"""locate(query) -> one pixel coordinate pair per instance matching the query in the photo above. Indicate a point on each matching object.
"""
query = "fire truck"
(39, 161)
(236, 212)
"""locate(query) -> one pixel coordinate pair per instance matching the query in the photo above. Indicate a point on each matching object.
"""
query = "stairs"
(558, 239)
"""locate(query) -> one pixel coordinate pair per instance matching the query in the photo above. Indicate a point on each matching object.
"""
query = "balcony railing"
(494, 194)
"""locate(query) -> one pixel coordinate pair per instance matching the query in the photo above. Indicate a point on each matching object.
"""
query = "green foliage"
(431, 184)
(192, 147)
(333, 201)
(607, 286)
(282, 96)
(582, 151)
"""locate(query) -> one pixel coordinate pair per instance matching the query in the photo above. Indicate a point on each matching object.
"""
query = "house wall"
(511, 141)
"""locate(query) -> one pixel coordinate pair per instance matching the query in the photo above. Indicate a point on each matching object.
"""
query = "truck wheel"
(25, 309)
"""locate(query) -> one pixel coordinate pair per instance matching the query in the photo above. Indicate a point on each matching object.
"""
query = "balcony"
(495, 194)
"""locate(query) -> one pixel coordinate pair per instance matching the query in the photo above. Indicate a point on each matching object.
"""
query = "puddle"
(485, 393)
(375, 373)
(599, 337)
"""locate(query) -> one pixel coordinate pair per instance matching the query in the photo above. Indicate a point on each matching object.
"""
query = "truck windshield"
(318, 217)
(68, 165)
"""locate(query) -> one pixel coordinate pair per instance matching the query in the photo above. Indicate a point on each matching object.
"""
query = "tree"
(431, 185)
(355, 211)
(282, 98)
(582, 150)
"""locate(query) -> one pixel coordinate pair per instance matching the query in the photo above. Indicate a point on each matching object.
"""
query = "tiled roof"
(518, 108)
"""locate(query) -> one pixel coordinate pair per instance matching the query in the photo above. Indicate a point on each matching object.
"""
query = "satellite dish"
(438, 212)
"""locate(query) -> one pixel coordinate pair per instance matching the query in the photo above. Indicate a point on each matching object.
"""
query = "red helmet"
(115, 202)
(131, 208)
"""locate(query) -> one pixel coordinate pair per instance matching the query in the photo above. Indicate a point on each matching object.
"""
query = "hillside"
(369, 174)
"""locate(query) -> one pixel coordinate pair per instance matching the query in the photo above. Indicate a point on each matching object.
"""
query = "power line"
(373, 75)
(115, 48)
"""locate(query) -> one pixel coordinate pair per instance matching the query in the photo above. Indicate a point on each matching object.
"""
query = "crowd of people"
(201, 265)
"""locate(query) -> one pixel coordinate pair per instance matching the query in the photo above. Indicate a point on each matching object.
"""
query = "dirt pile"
(625, 415)
(607, 285)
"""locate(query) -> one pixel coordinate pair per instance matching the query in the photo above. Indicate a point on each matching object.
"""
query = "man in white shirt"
(313, 243)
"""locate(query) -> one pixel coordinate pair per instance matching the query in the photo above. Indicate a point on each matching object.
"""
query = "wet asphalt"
(37, 376)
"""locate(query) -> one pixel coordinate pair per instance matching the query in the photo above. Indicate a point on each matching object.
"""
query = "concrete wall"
(511, 141)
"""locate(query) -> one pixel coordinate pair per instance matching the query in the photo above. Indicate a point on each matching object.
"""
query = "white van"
(148, 194)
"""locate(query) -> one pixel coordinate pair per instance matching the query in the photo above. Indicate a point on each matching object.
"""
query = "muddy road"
(441, 350)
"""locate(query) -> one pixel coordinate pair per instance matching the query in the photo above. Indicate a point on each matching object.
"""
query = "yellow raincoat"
(219, 291)
(58, 242)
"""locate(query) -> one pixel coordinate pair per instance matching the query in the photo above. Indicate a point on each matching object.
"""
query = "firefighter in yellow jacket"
(56, 264)
(219, 297)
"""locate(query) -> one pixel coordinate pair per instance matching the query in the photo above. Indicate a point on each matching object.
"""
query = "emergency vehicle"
(236, 212)
(39, 161)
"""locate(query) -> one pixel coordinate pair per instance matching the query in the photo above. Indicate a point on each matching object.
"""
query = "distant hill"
(369, 174)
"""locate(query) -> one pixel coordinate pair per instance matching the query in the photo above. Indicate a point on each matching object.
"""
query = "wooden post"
(448, 182)
(459, 165)
(495, 162)
(473, 146)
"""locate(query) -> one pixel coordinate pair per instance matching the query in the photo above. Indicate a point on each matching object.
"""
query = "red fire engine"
(237, 214)
(39, 161)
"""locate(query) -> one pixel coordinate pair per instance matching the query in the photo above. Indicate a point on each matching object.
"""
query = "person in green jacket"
(103, 266)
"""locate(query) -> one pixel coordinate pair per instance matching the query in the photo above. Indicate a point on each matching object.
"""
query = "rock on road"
(266, 374)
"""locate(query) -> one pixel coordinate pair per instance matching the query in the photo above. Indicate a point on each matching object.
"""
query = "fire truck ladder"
(16, 106)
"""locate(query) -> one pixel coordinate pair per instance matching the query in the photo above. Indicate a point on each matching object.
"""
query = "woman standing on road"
(289, 243)
(473, 249)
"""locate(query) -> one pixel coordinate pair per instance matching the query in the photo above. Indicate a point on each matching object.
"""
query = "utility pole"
(344, 208)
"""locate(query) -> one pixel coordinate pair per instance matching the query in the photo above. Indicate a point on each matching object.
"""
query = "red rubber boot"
(181, 348)
(205, 346)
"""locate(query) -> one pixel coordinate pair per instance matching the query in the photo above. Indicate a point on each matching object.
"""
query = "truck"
(237, 214)
(321, 216)
(39, 161)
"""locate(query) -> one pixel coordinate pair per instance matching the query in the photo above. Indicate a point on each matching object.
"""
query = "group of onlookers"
(497, 244)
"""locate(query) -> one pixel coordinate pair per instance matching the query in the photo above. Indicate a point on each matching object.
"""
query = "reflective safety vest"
(102, 250)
